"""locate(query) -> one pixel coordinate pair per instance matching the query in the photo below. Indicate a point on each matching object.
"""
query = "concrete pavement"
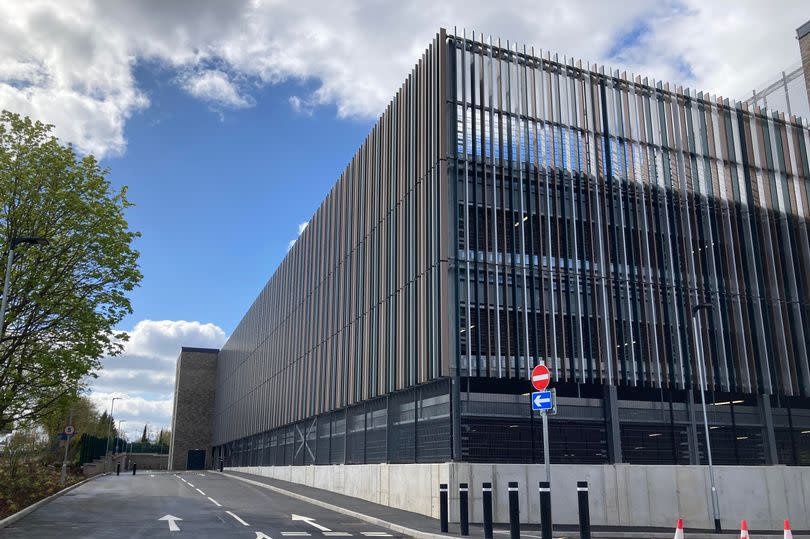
(205, 504)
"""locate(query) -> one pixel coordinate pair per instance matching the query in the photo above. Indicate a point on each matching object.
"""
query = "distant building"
(511, 208)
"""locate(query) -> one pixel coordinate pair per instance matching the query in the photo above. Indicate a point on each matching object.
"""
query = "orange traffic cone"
(788, 533)
(744, 530)
(679, 529)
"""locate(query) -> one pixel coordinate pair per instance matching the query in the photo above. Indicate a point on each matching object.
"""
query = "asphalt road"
(206, 505)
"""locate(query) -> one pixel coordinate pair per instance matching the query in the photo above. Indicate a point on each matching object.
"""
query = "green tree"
(165, 437)
(65, 298)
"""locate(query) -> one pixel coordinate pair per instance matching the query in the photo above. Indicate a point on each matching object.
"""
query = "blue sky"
(230, 121)
(220, 193)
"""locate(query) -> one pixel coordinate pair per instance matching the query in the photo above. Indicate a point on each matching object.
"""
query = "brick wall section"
(804, 46)
(194, 387)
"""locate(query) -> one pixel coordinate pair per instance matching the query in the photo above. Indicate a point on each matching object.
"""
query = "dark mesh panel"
(376, 431)
(336, 455)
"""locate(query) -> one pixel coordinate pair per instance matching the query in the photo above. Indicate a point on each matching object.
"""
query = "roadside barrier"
(584, 510)
(514, 511)
(486, 500)
(744, 530)
(463, 509)
(679, 529)
(443, 506)
(545, 509)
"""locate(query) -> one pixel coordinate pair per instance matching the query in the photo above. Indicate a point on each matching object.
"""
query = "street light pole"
(109, 428)
(7, 282)
(703, 381)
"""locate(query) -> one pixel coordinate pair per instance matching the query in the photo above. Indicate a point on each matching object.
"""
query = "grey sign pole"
(546, 456)
(63, 473)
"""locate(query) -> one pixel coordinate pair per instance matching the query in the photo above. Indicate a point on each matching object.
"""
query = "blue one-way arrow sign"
(542, 400)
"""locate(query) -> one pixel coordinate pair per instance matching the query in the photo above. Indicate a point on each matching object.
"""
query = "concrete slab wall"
(620, 495)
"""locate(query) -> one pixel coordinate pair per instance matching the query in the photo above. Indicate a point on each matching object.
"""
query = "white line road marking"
(242, 522)
(183, 480)
(311, 522)
(215, 502)
(189, 484)
(337, 534)
(201, 492)
(172, 524)
(376, 534)
(295, 534)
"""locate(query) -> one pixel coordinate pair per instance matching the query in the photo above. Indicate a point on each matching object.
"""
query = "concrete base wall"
(148, 461)
(620, 495)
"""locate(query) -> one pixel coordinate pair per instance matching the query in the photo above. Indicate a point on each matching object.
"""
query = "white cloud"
(301, 106)
(144, 372)
(71, 63)
(216, 87)
(301, 228)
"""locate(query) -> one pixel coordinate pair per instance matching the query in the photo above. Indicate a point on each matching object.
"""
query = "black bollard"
(545, 509)
(463, 509)
(584, 511)
(514, 511)
(443, 506)
(118, 469)
(487, 500)
(221, 463)
(134, 467)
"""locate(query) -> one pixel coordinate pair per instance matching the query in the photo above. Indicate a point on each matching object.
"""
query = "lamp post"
(6, 284)
(703, 381)
(109, 428)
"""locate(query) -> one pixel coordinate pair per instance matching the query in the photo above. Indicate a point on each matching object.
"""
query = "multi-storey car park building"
(510, 208)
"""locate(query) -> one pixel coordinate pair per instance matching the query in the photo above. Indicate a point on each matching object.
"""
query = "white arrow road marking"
(172, 524)
(311, 522)
(295, 534)
(200, 491)
(262, 535)
(215, 502)
(242, 522)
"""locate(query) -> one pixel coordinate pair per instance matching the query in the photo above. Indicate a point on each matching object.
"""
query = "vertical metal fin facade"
(595, 209)
(359, 306)
(512, 207)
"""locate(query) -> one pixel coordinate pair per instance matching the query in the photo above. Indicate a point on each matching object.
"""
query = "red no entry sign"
(540, 377)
